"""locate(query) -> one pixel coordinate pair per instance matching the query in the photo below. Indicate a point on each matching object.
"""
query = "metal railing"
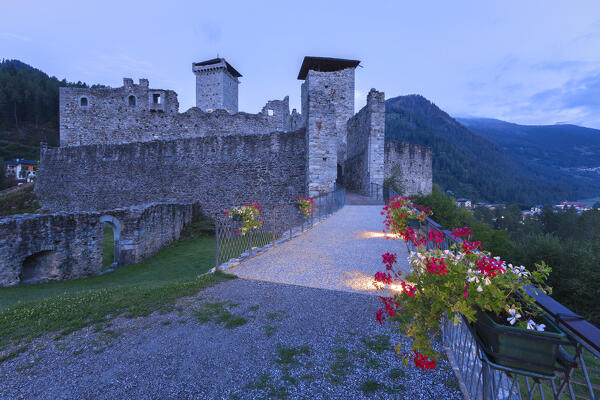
(579, 377)
(376, 191)
(280, 223)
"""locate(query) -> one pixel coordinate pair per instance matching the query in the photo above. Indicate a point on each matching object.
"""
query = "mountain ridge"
(475, 165)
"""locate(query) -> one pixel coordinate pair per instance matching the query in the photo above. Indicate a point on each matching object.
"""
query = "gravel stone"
(174, 356)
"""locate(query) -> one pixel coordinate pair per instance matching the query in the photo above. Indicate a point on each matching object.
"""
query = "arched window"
(132, 100)
(83, 102)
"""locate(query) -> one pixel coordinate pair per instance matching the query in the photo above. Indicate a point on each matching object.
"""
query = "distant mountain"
(476, 166)
(562, 146)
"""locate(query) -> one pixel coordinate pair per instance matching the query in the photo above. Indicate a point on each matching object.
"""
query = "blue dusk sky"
(529, 62)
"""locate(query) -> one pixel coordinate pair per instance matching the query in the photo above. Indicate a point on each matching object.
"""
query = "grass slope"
(19, 201)
(139, 289)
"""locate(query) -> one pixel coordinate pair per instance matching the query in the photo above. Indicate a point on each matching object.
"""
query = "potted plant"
(248, 214)
(306, 205)
(527, 345)
(465, 282)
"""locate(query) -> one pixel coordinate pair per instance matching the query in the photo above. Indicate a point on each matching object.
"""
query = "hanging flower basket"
(520, 348)
(306, 205)
(248, 215)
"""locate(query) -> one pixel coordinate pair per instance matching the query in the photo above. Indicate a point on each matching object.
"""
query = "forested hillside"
(556, 146)
(28, 109)
(473, 166)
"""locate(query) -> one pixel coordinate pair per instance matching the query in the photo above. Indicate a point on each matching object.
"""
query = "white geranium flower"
(531, 325)
(479, 288)
(541, 327)
(514, 316)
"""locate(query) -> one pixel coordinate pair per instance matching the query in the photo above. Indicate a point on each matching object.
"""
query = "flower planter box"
(413, 223)
(520, 348)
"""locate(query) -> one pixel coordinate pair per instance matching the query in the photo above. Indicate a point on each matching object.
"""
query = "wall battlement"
(136, 113)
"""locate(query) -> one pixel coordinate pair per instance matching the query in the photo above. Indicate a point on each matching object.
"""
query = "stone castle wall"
(411, 164)
(365, 145)
(110, 117)
(327, 104)
(219, 172)
(337, 88)
(37, 248)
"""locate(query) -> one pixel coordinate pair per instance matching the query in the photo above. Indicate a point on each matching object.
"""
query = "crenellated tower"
(216, 85)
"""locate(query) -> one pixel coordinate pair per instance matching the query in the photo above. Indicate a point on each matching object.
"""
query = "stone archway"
(116, 228)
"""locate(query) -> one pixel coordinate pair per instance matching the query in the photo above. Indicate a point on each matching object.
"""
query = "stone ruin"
(128, 157)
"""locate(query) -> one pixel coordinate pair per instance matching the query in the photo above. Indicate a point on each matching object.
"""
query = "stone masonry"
(365, 148)
(411, 164)
(216, 85)
(37, 248)
(219, 172)
(135, 113)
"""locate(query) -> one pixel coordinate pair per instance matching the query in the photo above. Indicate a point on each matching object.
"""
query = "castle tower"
(327, 105)
(216, 85)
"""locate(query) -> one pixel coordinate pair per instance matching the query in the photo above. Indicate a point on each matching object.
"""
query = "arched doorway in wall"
(111, 230)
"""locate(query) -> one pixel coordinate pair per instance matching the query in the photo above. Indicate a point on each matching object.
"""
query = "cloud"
(579, 97)
(15, 36)
(210, 31)
(535, 92)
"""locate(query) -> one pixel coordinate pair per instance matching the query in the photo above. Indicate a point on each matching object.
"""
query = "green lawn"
(139, 289)
(108, 247)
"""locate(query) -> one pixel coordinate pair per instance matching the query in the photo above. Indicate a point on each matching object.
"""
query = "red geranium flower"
(423, 362)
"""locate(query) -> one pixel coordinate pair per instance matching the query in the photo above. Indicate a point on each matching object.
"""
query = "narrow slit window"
(156, 98)
(132, 100)
(83, 102)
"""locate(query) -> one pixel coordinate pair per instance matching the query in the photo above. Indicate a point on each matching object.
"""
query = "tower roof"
(231, 70)
(325, 64)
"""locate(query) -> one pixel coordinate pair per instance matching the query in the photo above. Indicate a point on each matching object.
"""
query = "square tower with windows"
(216, 85)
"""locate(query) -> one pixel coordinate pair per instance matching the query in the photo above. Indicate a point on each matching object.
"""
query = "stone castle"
(129, 158)
(131, 145)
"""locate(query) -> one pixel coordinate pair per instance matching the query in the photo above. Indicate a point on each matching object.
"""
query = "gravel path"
(341, 253)
(297, 343)
(248, 338)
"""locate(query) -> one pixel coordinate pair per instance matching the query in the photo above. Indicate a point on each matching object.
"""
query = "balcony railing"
(577, 378)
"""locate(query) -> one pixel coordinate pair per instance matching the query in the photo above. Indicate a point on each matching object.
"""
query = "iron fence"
(577, 378)
(280, 223)
(377, 191)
